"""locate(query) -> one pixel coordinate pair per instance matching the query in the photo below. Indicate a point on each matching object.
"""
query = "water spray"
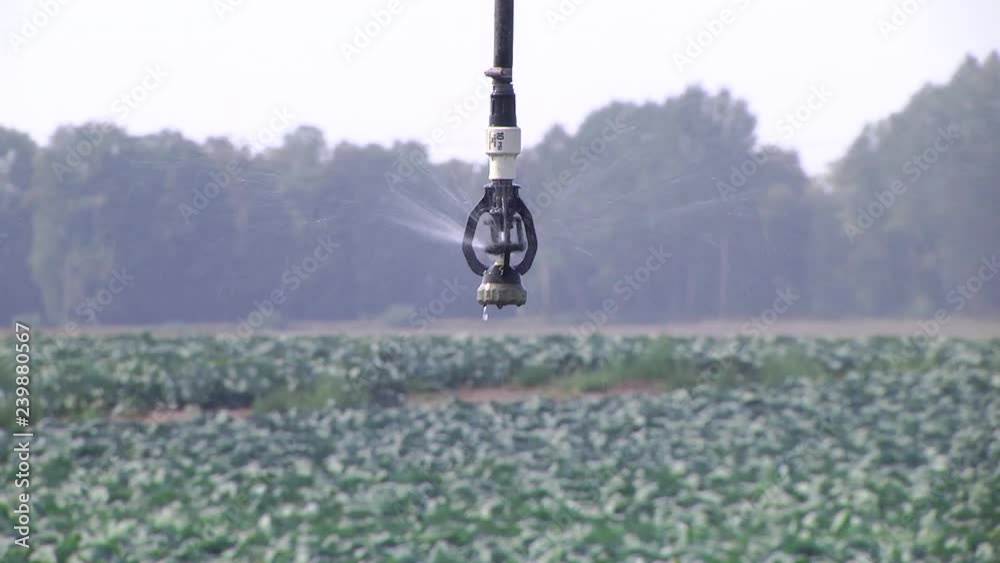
(512, 229)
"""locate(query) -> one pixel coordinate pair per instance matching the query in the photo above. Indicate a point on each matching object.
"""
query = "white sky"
(227, 74)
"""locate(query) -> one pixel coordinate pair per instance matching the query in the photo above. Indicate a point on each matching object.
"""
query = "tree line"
(656, 212)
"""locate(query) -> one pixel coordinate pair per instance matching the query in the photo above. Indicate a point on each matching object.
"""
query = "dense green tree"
(666, 211)
(919, 193)
(19, 291)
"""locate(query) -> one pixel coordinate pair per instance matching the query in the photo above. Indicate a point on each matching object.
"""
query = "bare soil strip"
(515, 393)
(503, 394)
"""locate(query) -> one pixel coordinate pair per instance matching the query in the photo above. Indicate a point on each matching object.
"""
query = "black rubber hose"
(503, 34)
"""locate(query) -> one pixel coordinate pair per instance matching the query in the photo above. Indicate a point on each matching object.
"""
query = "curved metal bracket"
(529, 226)
(505, 207)
(483, 206)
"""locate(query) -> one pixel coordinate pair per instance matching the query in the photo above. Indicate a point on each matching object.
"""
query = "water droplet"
(486, 315)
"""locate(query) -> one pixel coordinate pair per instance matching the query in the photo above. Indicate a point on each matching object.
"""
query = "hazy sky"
(224, 67)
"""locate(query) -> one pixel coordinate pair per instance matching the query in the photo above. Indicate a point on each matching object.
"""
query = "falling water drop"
(486, 315)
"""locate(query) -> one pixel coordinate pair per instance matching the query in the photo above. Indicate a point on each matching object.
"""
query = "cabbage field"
(138, 373)
(775, 449)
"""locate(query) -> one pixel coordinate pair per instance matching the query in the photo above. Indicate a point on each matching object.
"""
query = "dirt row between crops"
(515, 393)
(504, 394)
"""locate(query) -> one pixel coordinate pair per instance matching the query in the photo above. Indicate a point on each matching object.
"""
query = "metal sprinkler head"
(506, 212)
(501, 286)
(512, 231)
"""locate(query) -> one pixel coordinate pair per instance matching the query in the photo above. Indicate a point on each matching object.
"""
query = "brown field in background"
(964, 328)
